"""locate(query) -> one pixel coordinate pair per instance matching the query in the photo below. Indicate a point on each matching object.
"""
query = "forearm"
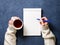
(50, 41)
(49, 37)
(10, 38)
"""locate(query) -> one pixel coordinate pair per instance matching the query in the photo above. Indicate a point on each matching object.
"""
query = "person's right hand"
(44, 24)
(42, 21)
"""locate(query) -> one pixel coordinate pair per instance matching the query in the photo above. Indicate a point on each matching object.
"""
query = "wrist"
(45, 27)
(10, 29)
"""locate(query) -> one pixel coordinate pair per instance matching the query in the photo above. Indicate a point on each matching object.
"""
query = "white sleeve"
(49, 37)
(10, 38)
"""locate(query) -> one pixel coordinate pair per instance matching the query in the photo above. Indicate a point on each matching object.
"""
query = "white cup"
(17, 23)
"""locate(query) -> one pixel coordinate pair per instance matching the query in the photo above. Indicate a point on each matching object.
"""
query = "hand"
(12, 20)
(44, 24)
(42, 21)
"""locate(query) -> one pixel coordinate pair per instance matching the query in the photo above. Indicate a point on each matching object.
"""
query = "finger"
(11, 22)
(41, 22)
(46, 23)
(44, 18)
(14, 17)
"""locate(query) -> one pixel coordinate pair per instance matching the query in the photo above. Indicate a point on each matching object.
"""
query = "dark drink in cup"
(17, 23)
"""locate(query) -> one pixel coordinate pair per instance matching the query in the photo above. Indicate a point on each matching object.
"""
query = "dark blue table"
(51, 9)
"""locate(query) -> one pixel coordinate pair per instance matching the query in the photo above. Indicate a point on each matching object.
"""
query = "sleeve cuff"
(11, 30)
(46, 32)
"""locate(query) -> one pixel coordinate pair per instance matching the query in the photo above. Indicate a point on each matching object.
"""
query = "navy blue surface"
(51, 9)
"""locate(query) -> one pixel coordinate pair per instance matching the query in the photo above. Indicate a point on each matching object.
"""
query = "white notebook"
(32, 26)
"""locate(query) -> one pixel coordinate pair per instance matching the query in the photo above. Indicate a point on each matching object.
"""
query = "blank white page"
(31, 24)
